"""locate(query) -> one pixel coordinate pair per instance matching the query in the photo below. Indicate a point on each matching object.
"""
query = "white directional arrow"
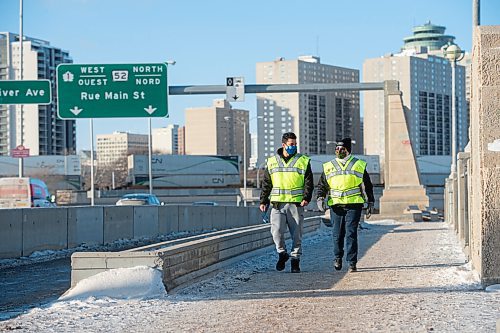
(75, 110)
(150, 109)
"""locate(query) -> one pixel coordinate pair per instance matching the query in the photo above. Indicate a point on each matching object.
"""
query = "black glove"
(369, 210)
(321, 204)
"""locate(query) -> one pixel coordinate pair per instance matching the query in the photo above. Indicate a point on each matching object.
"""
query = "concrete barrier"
(118, 223)
(44, 229)
(69, 227)
(235, 219)
(168, 219)
(146, 221)
(181, 261)
(11, 235)
(85, 226)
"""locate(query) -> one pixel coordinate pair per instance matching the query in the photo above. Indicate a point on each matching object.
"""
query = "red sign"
(20, 152)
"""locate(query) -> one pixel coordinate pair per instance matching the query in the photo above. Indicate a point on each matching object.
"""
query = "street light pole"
(245, 134)
(453, 120)
(245, 164)
(21, 113)
(453, 53)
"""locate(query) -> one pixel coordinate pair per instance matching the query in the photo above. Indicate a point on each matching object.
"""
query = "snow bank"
(139, 282)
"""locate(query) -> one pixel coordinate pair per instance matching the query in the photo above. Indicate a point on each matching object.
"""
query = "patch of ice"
(494, 146)
(139, 282)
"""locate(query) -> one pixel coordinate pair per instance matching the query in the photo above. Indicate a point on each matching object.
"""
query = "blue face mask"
(291, 150)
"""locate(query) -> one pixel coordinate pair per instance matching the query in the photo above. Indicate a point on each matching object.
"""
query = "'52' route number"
(119, 75)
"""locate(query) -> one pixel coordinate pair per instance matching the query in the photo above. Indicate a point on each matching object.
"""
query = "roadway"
(412, 277)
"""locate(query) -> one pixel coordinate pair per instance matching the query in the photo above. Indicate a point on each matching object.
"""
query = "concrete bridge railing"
(472, 193)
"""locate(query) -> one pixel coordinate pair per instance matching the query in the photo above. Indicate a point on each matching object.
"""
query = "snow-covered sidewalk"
(412, 277)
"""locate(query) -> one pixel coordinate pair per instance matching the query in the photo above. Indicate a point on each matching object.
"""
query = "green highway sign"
(112, 91)
(25, 92)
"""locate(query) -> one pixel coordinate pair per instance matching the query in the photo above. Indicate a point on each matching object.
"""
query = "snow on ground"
(241, 298)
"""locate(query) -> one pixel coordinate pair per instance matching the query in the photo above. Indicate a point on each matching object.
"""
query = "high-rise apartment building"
(217, 130)
(318, 119)
(42, 132)
(166, 140)
(424, 77)
(114, 148)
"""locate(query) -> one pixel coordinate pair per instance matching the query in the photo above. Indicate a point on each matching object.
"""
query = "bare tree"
(117, 169)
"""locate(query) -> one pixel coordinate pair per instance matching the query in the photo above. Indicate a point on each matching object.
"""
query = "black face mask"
(341, 152)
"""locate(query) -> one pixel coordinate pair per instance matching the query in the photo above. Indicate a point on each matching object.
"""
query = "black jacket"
(323, 188)
(267, 184)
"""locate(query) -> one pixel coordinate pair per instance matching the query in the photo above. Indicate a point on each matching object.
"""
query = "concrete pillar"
(461, 194)
(401, 175)
(485, 153)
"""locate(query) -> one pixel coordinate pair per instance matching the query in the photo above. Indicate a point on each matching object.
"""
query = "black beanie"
(346, 143)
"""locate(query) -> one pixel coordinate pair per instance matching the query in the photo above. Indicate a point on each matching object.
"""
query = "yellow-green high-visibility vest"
(345, 181)
(287, 178)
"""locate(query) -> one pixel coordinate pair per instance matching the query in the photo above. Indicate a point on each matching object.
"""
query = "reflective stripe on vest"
(345, 181)
(340, 194)
(287, 178)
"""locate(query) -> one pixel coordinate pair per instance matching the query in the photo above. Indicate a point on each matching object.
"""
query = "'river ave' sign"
(25, 92)
(112, 91)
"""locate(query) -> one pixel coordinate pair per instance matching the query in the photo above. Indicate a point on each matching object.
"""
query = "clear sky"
(211, 40)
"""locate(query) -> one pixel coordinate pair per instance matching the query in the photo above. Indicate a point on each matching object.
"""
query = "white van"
(24, 192)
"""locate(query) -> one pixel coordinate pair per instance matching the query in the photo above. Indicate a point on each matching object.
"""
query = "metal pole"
(276, 88)
(150, 156)
(453, 121)
(20, 78)
(476, 17)
(245, 164)
(91, 161)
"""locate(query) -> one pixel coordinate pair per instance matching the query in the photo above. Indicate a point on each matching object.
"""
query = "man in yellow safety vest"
(342, 181)
(288, 185)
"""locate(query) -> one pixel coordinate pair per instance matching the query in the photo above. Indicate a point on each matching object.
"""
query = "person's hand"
(304, 203)
(369, 210)
(263, 207)
(321, 204)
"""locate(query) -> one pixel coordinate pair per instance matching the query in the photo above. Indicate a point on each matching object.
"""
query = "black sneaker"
(338, 264)
(353, 268)
(283, 258)
(295, 265)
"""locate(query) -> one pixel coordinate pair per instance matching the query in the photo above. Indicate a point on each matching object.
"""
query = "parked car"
(139, 199)
(24, 192)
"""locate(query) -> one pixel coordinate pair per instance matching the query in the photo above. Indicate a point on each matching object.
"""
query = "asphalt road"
(28, 286)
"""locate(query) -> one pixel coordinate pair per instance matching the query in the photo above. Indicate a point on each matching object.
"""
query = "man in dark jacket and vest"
(288, 185)
(344, 179)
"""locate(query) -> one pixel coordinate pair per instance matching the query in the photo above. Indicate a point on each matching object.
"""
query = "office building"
(424, 77)
(318, 119)
(43, 132)
(113, 149)
(165, 140)
(217, 130)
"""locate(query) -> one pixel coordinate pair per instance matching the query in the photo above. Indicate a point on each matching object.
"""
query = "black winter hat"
(346, 143)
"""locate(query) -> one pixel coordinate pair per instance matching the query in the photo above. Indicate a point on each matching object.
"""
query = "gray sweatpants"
(291, 215)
